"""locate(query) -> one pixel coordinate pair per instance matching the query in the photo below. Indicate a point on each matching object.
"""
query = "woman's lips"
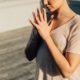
(50, 7)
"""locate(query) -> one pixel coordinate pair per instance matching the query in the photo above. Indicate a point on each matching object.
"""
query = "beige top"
(66, 38)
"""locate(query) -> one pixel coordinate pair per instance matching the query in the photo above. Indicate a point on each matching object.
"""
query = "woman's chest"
(60, 37)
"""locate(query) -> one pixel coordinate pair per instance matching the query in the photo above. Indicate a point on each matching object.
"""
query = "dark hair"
(68, 1)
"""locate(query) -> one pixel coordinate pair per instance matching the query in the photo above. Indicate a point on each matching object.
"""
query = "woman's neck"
(64, 12)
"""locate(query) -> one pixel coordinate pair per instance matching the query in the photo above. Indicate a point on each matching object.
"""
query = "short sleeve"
(73, 44)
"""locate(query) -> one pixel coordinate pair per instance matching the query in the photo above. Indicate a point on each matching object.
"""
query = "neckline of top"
(68, 22)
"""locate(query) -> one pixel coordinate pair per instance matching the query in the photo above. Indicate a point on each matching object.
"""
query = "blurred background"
(15, 31)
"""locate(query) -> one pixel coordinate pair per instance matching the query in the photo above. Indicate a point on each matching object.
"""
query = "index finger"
(44, 14)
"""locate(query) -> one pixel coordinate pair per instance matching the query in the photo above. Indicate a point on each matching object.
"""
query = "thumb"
(51, 25)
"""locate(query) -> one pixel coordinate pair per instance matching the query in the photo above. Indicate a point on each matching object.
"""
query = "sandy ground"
(13, 63)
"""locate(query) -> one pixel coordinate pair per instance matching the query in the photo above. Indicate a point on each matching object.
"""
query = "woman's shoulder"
(76, 19)
(76, 22)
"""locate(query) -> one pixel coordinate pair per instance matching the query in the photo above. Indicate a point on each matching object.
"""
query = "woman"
(58, 57)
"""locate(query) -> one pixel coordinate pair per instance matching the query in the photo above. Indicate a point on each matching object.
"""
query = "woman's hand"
(41, 24)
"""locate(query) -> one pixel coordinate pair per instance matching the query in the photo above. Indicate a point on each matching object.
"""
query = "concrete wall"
(15, 13)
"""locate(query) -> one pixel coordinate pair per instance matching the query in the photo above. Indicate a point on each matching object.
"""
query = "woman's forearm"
(61, 61)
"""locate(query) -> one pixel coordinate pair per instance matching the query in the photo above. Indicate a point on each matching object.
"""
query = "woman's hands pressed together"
(40, 23)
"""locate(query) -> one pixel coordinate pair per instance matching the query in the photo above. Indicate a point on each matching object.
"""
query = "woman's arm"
(67, 63)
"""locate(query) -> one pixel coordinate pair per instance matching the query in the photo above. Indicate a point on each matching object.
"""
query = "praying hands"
(40, 23)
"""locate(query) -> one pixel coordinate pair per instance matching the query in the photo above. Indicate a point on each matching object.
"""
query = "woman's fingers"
(51, 25)
(51, 22)
(36, 18)
(51, 19)
(34, 24)
(40, 14)
(44, 14)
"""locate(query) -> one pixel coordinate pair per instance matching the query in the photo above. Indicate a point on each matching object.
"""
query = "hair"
(41, 2)
(68, 1)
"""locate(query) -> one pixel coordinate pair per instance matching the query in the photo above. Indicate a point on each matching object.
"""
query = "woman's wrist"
(48, 39)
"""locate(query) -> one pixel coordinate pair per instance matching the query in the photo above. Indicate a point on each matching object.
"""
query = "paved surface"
(13, 64)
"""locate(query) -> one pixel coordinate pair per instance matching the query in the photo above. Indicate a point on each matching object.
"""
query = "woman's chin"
(52, 10)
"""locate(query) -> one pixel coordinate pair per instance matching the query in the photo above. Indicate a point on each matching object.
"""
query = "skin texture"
(68, 62)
